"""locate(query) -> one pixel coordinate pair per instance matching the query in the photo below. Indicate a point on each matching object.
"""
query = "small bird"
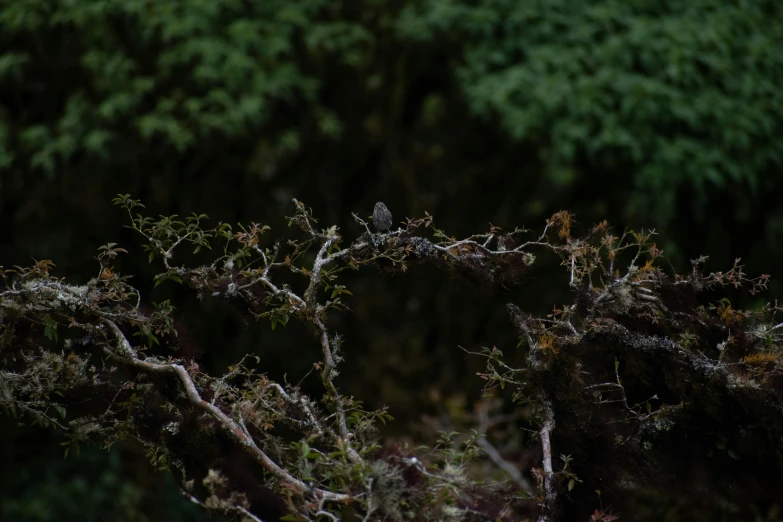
(381, 217)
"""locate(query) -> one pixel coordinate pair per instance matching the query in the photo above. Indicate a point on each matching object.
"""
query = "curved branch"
(228, 423)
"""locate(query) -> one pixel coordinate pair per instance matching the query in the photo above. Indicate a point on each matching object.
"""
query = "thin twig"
(546, 446)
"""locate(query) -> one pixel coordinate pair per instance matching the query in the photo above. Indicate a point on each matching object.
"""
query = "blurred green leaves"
(90, 486)
(173, 71)
(672, 94)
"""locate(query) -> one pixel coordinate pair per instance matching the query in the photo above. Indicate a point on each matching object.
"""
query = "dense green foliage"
(669, 93)
(179, 72)
(91, 487)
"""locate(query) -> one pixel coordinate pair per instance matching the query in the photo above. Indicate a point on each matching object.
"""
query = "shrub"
(633, 379)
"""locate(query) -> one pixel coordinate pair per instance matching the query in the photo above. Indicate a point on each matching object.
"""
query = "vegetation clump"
(643, 371)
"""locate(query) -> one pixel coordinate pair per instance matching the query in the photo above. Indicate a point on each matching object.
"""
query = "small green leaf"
(571, 484)
(733, 455)
(60, 410)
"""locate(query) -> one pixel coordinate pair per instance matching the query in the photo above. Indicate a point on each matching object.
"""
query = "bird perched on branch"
(381, 217)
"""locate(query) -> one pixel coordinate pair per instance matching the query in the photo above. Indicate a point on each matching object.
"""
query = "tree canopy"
(662, 100)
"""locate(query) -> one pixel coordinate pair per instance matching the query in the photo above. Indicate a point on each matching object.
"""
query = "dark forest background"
(655, 114)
